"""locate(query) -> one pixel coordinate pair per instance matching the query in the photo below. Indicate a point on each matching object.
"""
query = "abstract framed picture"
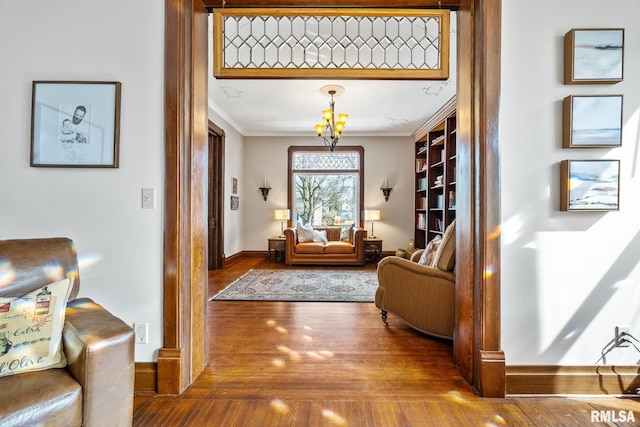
(75, 124)
(590, 185)
(593, 56)
(592, 121)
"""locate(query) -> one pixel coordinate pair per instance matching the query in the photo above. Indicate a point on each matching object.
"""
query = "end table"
(372, 249)
(277, 245)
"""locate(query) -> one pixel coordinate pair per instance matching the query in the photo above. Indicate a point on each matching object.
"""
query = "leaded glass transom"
(325, 161)
(325, 40)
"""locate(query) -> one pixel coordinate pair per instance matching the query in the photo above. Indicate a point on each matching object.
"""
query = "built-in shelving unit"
(435, 174)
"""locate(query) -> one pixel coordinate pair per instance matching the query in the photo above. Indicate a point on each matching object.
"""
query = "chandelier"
(331, 130)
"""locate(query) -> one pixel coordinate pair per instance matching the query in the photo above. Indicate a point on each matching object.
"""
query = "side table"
(277, 245)
(372, 249)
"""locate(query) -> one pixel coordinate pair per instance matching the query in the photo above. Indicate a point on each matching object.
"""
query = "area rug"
(302, 285)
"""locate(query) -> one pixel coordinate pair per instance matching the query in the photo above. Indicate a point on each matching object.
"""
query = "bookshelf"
(435, 174)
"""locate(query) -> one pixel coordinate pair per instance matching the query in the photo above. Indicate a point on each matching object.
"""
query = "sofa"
(335, 250)
(73, 362)
(421, 291)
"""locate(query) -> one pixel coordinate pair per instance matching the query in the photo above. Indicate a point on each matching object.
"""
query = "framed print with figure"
(75, 124)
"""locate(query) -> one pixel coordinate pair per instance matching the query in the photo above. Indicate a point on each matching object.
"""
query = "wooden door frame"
(477, 351)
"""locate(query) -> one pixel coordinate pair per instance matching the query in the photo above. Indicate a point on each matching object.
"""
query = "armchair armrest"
(99, 348)
(415, 256)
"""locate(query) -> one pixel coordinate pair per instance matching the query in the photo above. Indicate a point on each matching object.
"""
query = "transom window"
(325, 188)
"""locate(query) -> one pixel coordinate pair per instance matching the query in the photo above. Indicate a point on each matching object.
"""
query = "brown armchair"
(422, 296)
(96, 386)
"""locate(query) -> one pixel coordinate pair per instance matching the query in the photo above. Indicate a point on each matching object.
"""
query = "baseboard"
(263, 254)
(146, 377)
(232, 259)
(564, 380)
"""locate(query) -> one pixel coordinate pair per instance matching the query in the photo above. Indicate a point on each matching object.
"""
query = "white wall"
(384, 157)
(119, 244)
(568, 278)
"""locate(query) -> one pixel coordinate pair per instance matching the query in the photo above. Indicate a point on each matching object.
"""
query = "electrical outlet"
(621, 331)
(142, 333)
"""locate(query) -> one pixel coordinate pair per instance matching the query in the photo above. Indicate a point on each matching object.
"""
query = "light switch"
(148, 198)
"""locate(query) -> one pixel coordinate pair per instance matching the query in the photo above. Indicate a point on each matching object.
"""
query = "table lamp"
(372, 215)
(282, 215)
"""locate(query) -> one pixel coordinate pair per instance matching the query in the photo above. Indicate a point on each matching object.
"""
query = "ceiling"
(292, 107)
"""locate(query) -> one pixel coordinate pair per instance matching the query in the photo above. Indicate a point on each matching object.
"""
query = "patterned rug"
(302, 285)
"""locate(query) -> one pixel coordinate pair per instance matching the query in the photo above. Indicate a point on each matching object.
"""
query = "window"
(326, 189)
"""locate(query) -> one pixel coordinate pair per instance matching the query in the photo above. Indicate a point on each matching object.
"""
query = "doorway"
(477, 345)
(215, 211)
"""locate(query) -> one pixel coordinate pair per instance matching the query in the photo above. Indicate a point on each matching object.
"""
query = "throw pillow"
(320, 236)
(346, 234)
(427, 255)
(31, 329)
(305, 232)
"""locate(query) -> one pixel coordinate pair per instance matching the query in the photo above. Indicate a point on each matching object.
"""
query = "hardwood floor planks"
(337, 364)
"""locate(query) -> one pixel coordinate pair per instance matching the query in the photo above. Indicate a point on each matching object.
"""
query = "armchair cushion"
(445, 256)
(31, 329)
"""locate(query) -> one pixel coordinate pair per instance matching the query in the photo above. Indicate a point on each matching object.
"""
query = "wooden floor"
(337, 364)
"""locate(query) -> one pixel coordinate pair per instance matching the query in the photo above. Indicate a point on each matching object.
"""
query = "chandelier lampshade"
(331, 129)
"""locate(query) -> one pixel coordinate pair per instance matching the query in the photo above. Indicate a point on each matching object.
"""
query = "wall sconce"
(282, 215)
(386, 190)
(372, 215)
(265, 190)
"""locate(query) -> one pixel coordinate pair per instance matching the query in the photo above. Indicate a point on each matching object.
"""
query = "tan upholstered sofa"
(423, 296)
(333, 252)
(96, 386)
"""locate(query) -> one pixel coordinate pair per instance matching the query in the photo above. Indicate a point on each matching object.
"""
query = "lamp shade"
(281, 214)
(372, 215)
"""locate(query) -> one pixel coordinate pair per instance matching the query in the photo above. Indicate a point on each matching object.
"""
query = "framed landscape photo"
(592, 121)
(593, 56)
(589, 185)
(75, 124)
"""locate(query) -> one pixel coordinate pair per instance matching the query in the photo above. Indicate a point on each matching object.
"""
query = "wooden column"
(477, 348)
(183, 355)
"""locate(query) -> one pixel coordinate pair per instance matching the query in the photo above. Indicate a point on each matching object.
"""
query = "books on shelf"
(437, 140)
(452, 199)
(421, 165)
(422, 184)
(421, 221)
(439, 225)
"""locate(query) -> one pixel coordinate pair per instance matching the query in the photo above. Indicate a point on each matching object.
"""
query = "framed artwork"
(235, 203)
(589, 185)
(75, 124)
(234, 185)
(593, 56)
(592, 121)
